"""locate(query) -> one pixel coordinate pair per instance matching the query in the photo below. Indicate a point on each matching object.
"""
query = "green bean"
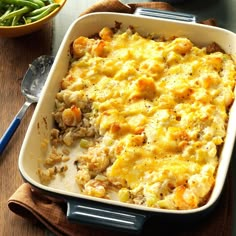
(8, 10)
(5, 21)
(15, 13)
(42, 14)
(42, 9)
(15, 20)
(38, 2)
(49, 1)
(22, 3)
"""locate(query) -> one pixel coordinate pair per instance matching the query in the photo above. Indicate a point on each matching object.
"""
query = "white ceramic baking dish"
(110, 213)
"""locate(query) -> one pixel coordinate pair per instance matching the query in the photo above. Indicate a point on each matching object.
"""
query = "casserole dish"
(109, 213)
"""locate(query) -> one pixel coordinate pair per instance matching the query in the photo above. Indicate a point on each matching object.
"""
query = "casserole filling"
(144, 117)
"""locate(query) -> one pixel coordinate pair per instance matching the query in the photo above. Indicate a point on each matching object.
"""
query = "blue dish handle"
(105, 216)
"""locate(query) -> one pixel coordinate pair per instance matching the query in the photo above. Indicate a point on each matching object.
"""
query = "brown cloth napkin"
(32, 205)
(38, 208)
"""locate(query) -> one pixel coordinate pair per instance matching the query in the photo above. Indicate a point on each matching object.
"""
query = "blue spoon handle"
(13, 127)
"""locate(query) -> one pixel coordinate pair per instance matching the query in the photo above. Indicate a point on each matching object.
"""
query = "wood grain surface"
(15, 56)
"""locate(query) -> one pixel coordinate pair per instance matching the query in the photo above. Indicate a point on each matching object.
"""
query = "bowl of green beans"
(21, 17)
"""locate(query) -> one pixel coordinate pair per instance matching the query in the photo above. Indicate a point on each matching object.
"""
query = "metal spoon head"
(35, 77)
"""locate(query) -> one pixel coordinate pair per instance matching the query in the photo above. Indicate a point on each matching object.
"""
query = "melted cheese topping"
(158, 110)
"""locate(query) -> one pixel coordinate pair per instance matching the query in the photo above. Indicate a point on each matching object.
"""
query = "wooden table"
(15, 55)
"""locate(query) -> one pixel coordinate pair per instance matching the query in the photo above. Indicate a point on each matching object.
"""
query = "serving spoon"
(31, 87)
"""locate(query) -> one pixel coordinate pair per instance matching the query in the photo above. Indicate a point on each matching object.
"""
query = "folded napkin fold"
(32, 205)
